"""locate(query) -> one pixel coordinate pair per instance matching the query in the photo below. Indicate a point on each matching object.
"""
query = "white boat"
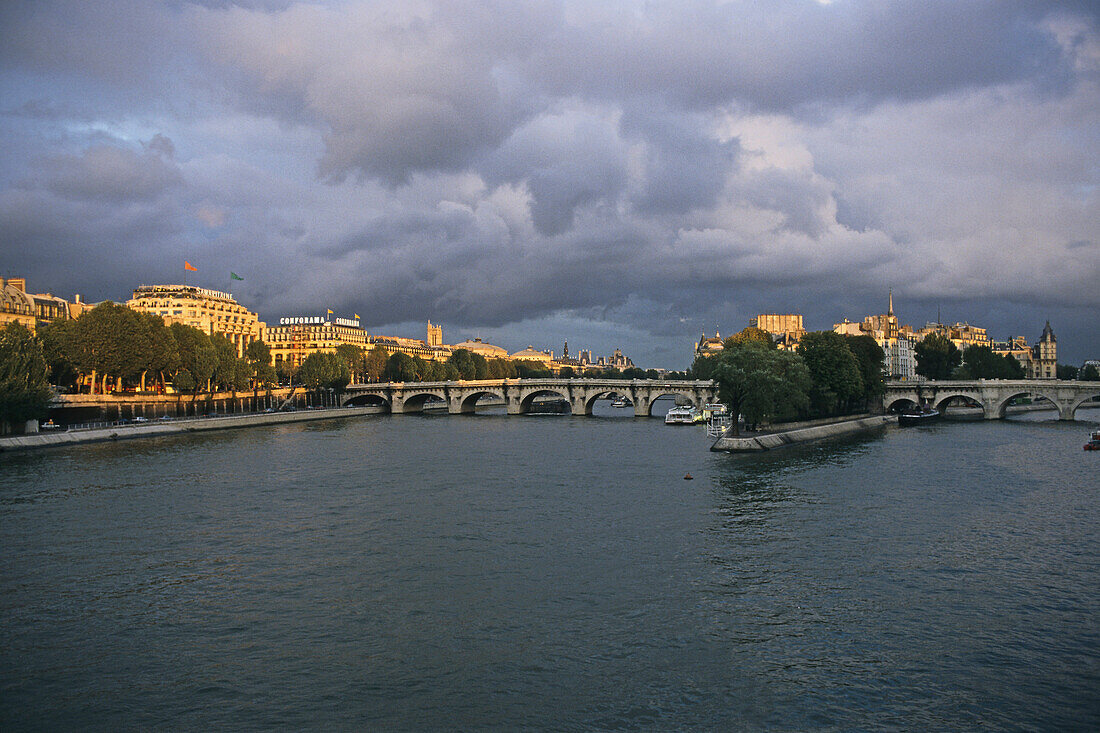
(683, 416)
(620, 402)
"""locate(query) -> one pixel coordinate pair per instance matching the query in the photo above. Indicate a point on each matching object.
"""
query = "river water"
(499, 573)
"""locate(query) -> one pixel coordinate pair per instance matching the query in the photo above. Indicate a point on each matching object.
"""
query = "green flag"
(234, 276)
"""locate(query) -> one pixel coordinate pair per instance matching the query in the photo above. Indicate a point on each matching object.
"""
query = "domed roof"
(531, 354)
(480, 347)
(14, 300)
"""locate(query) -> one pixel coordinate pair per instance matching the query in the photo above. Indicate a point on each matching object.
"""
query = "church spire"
(890, 311)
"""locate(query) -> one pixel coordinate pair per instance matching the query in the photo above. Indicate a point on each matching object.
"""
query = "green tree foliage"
(323, 370)
(354, 357)
(1089, 373)
(834, 371)
(566, 372)
(198, 359)
(870, 358)
(286, 372)
(652, 374)
(526, 369)
(470, 365)
(1066, 371)
(400, 367)
(752, 333)
(24, 384)
(936, 357)
(374, 364)
(258, 356)
(56, 339)
(758, 381)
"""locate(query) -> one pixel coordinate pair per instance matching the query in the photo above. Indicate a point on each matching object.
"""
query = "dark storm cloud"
(648, 167)
(111, 175)
(783, 55)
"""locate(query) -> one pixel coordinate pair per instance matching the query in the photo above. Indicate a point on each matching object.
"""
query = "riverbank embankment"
(794, 433)
(158, 428)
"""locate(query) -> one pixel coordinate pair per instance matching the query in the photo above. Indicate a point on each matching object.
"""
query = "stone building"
(15, 305)
(785, 328)
(296, 337)
(210, 311)
(15, 302)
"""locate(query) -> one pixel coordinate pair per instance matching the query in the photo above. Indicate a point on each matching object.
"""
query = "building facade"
(296, 337)
(16, 306)
(785, 328)
(210, 311)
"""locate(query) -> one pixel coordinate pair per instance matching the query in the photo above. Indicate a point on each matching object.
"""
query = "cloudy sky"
(618, 174)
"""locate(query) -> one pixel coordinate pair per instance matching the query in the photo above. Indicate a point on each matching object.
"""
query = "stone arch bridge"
(519, 394)
(992, 394)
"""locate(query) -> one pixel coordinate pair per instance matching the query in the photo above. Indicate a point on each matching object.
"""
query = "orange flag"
(188, 266)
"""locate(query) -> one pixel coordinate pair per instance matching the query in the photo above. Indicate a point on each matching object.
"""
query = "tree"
(633, 373)
(752, 333)
(374, 364)
(463, 362)
(225, 369)
(258, 356)
(566, 372)
(758, 381)
(870, 359)
(980, 362)
(1010, 368)
(1067, 371)
(1089, 373)
(56, 339)
(651, 374)
(323, 370)
(353, 356)
(400, 367)
(833, 368)
(936, 357)
(198, 359)
(24, 385)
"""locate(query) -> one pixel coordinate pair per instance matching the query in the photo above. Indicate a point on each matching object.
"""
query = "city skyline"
(615, 176)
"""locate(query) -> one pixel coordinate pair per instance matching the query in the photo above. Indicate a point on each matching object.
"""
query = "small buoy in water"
(687, 477)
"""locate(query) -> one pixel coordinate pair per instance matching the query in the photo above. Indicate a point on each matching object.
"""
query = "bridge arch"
(368, 400)
(1001, 408)
(901, 404)
(467, 403)
(659, 393)
(591, 397)
(529, 397)
(944, 398)
(416, 401)
(1084, 398)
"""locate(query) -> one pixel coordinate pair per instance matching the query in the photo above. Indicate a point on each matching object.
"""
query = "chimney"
(19, 283)
(76, 298)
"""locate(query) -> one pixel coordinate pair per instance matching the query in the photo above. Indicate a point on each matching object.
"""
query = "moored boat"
(683, 416)
(1094, 441)
(923, 415)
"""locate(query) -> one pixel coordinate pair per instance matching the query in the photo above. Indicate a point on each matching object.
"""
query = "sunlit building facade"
(210, 311)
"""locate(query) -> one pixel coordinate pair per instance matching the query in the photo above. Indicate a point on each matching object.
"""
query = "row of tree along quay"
(112, 349)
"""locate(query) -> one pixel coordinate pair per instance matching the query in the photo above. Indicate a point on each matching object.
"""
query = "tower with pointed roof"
(1045, 353)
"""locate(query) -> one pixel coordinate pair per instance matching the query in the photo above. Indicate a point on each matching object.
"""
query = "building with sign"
(210, 311)
(296, 337)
